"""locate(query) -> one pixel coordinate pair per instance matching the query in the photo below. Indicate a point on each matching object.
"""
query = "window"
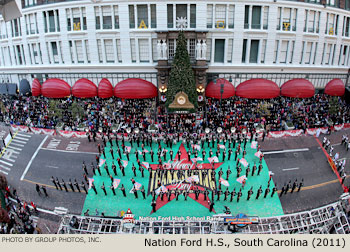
(87, 51)
(144, 50)
(276, 51)
(346, 26)
(97, 18)
(256, 17)
(142, 16)
(133, 50)
(263, 51)
(119, 50)
(312, 21)
(254, 51)
(219, 53)
(244, 50)
(80, 52)
(220, 16)
(106, 17)
(191, 48)
(209, 16)
(16, 27)
(144, 21)
(314, 53)
(192, 16)
(18, 54)
(292, 52)
(266, 17)
(153, 16)
(229, 50)
(231, 16)
(327, 53)
(109, 49)
(71, 50)
(116, 17)
(284, 51)
(171, 49)
(170, 16)
(246, 17)
(31, 23)
(331, 24)
(51, 21)
(307, 56)
(208, 56)
(347, 4)
(76, 19)
(99, 48)
(302, 53)
(131, 16)
(181, 11)
(334, 3)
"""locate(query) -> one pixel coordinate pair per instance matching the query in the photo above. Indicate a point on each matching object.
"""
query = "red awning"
(36, 87)
(105, 89)
(84, 88)
(298, 88)
(55, 88)
(258, 89)
(335, 87)
(134, 88)
(213, 90)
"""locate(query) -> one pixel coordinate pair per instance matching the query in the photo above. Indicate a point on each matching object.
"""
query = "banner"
(91, 180)
(221, 146)
(254, 145)
(196, 146)
(125, 163)
(241, 179)
(146, 164)
(102, 161)
(116, 183)
(258, 154)
(213, 159)
(243, 162)
(19, 128)
(161, 189)
(224, 182)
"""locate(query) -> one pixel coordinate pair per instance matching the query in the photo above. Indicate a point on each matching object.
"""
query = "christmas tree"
(181, 75)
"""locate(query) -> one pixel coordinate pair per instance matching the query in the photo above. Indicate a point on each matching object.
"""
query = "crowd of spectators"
(117, 114)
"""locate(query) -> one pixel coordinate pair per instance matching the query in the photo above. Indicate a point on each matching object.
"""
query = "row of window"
(144, 16)
(145, 50)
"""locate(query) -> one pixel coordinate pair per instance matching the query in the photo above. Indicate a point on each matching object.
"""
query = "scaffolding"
(330, 219)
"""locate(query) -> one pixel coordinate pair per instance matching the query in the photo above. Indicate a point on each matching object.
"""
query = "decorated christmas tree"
(181, 75)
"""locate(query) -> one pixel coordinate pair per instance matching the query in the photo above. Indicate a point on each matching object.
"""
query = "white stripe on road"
(285, 151)
(290, 169)
(14, 148)
(9, 159)
(18, 141)
(78, 152)
(22, 135)
(52, 166)
(6, 163)
(21, 145)
(4, 172)
(5, 168)
(12, 151)
(21, 138)
(34, 155)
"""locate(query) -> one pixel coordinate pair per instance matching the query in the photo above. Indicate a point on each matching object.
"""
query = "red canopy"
(335, 87)
(105, 89)
(55, 88)
(134, 88)
(36, 87)
(213, 90)
(298, 88)
(84, 88)
(258, 89)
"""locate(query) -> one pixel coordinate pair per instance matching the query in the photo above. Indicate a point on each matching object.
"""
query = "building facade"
(273, 39)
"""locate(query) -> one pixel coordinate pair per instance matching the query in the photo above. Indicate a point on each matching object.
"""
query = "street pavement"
(35, 158)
